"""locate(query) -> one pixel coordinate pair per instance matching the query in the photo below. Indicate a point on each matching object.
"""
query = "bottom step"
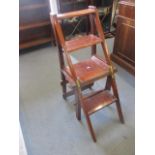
(98, 101)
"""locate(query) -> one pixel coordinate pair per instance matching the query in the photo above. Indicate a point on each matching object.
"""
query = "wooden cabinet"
(34, 23)
(124, 45)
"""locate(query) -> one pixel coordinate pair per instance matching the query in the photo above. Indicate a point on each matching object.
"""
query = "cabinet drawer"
(127, 9)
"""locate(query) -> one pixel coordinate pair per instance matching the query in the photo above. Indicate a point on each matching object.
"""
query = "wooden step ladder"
(83, 74)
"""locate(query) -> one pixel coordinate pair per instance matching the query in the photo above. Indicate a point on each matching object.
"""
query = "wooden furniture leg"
(78, 105)
(90, 127)
(64, 87)
(108, 83)
(119, 110)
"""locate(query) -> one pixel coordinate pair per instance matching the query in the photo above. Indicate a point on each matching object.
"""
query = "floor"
(48, 122)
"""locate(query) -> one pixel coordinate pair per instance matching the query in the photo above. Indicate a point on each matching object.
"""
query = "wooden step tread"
(82, 42)
(98, 101)
(88, 70)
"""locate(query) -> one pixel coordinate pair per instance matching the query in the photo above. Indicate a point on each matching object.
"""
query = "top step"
(82, 42)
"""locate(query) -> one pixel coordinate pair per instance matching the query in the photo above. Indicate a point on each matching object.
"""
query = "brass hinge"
(111, 71)
(78, 83)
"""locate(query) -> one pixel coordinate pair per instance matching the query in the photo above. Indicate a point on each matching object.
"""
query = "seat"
(83, 74)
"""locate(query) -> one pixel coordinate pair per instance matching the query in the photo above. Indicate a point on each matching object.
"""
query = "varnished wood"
(124, 45)
(90, 127)
(78, 105)
(127, 9)
(82, 42)
(76, 13)
(98, 101)
(118, 105)
(34, 24)
(72, 91)
(130, 68)
(34, 43)
(85, 72)
(108, 83)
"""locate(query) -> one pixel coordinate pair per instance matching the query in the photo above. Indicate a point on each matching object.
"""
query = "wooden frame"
(82, 74)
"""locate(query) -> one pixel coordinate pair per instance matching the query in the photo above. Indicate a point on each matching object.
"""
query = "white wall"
(53, 6)
(22, 148)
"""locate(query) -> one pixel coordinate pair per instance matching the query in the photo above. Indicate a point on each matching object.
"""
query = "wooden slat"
(82, 42)
(76, 13)
(34, 43)
(33, 25)
(98, 101)
(89, 70)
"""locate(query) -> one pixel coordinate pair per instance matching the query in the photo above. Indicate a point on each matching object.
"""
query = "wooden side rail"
(71, 14)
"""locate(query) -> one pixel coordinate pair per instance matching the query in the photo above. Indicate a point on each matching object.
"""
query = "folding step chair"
(84, 73)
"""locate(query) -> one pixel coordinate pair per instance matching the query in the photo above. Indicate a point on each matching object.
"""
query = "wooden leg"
(90, 128)
(63, 84)
(77, 100)
(72, 92)
(118, 105)
(78, 105)
(88, 86)
(78, 112)
(93, 50)
(64, 90)
(108, 83)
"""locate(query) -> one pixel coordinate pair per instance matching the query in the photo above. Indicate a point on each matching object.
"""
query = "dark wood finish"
(124, 45)
(98, 101)
(75, 14)
(35, 42)
(34, 23)
(87, 70)
(84, 73)
(82, 42)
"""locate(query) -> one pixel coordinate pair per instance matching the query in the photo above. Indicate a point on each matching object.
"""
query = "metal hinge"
(111, 71)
